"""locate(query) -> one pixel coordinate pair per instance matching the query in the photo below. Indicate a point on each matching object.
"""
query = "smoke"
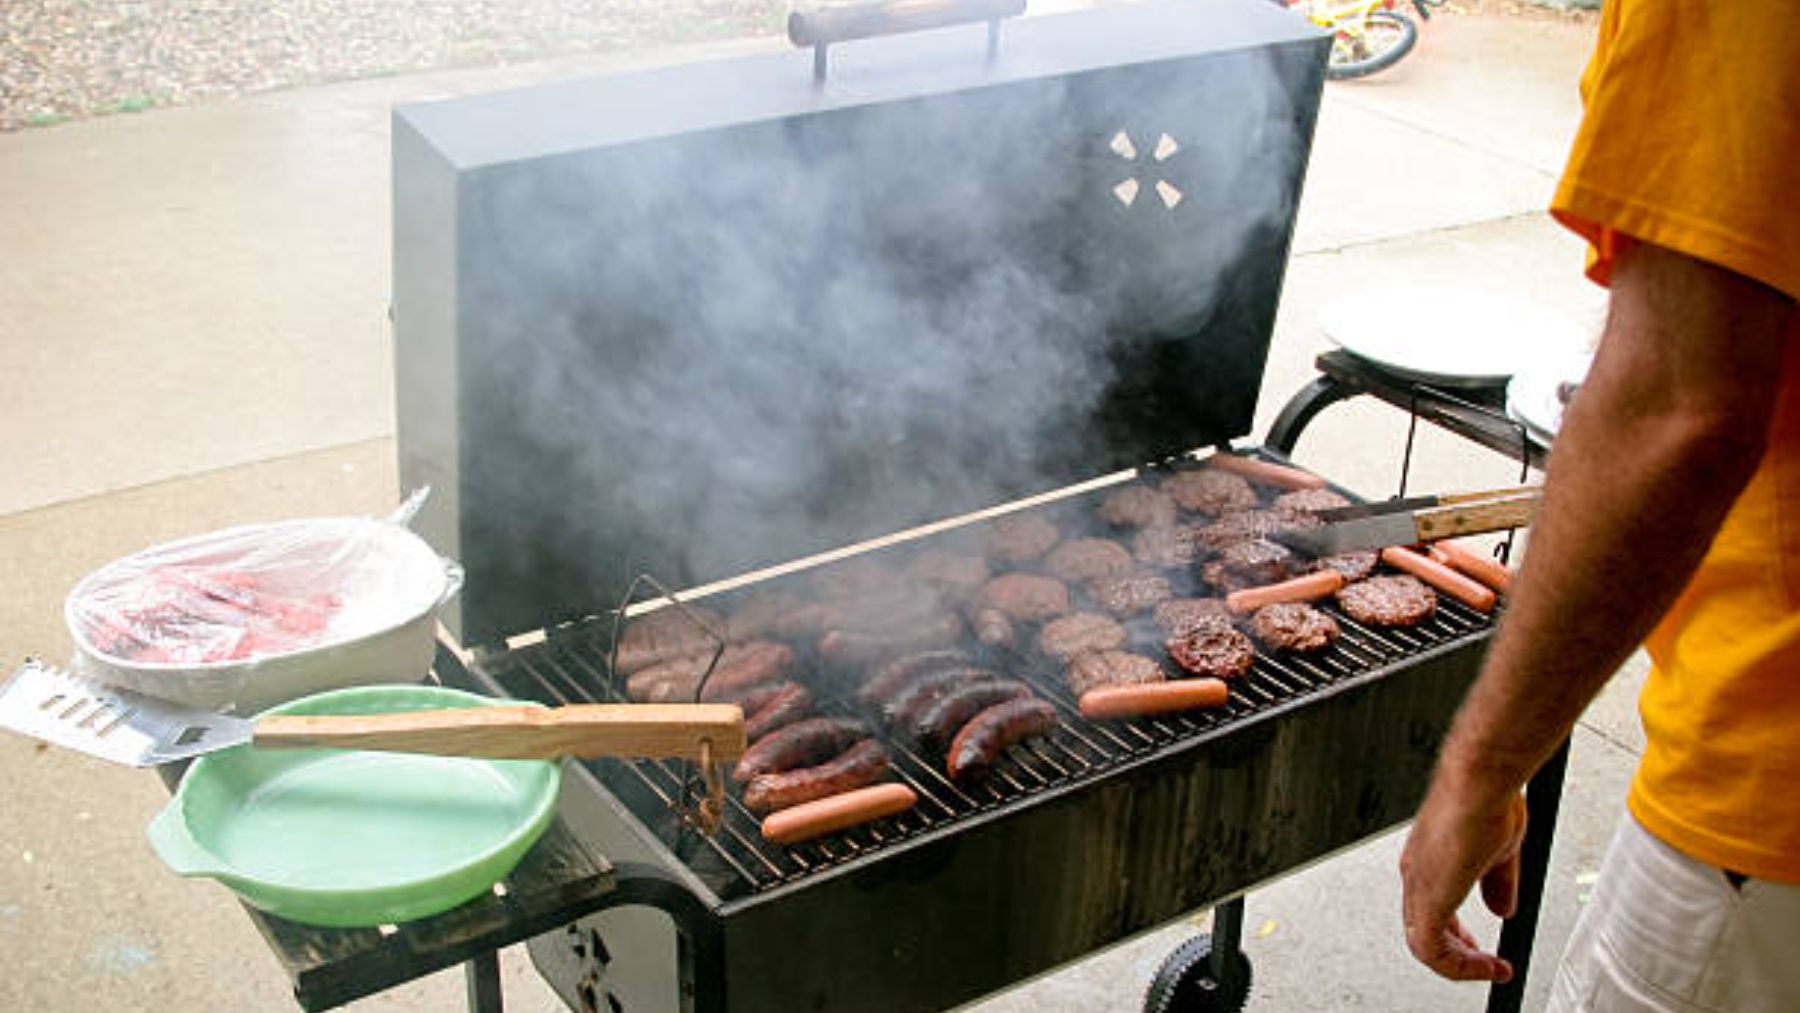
(707, 352)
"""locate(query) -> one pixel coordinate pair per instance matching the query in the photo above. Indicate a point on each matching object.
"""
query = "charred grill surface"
(738, 862)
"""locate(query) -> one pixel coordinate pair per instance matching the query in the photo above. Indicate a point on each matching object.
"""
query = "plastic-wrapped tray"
(252, 616)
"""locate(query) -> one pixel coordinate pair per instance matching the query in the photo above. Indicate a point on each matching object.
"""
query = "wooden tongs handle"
(659, 731)
(1474, 513)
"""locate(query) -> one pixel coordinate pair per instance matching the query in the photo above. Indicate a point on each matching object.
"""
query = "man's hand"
(1456, 842)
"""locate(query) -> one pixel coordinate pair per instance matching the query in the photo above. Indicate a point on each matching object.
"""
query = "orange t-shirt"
(1691, 140)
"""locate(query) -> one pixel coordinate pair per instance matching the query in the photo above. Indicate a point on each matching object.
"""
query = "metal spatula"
(142, 731)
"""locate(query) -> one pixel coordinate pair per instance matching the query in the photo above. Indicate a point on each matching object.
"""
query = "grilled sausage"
(892, 675)
(1488, 570)
(797, 745)
(920, 693)
(1307, 587)
(863, 647)
(751, 699)
(991, 732)
(822, 816)
(859, 765)
(740, 667)
(993, 628)
(1472, 593)
(790, 703)
(667, 633)
(935, 725)
(1104, 702)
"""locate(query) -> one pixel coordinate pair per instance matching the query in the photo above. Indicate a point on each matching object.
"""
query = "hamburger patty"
(1093, 669)
(1388, 601)
(1019, 538)
(1179, 615)
(1138, 506)
(1083, 631)
(1251, 563)
(1220, 652)
(1083, 559)
(1027, 597)
(954, 577)
(1132, 593)
(1354, 566)
(1248, 525)
(1294, 626)
(1308, 501)
(1213, 493)
(1168, 547)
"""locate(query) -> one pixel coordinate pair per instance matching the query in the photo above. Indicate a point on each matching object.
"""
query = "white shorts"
(1668, 934)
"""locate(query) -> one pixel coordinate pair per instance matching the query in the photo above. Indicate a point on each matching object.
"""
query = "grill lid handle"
(821, 27)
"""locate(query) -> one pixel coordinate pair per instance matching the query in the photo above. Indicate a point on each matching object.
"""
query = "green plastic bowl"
(353, 839)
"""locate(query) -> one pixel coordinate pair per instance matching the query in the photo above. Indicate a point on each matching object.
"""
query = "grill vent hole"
(602, 955)
(1165, 147)
(613, 1003)
(1127, 192)
(1122, 146)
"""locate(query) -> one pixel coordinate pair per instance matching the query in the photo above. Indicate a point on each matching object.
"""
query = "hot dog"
(895, 674)
(807, 820)
(1307, 587)
(1265, 471)
(1471, 593)
(988, 734)
(1106, 702)
(797, 745)
(861, 764)
(1487, 569)
(790, 703)
(935, 725)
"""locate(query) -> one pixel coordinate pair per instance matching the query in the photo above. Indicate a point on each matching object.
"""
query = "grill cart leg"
(1543, 797)
(1208, 973)
(482, 974)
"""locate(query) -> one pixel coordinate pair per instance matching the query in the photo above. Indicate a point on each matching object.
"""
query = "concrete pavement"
(193, 334)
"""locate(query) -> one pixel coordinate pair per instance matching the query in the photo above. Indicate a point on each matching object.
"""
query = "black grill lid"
(702, 319)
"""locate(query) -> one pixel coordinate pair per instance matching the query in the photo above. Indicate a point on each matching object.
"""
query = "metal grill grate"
(571, 667)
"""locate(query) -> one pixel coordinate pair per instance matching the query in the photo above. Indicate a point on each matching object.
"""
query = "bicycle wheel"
(1385, 37)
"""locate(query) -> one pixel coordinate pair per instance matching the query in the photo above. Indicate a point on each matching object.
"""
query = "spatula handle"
(660, 731)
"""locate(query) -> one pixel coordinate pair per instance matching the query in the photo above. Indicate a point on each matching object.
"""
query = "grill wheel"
(1184, 984)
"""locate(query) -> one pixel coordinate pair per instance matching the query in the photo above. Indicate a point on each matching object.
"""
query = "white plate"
(1463, 337)
(1534, 397)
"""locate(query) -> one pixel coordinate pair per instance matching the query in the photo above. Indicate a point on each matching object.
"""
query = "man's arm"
(1665, 433)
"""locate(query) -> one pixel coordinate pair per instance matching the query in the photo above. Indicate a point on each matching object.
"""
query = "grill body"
(698, 321)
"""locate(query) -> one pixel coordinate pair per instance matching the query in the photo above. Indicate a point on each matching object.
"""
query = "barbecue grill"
(732, 323)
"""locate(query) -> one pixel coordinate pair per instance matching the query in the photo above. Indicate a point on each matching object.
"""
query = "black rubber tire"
(1183, 985)
(1397, 34)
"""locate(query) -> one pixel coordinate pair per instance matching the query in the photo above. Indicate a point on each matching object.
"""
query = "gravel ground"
(69, 59)
(66, 59)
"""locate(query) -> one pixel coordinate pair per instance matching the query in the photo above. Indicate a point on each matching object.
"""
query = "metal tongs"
(1414, 520)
